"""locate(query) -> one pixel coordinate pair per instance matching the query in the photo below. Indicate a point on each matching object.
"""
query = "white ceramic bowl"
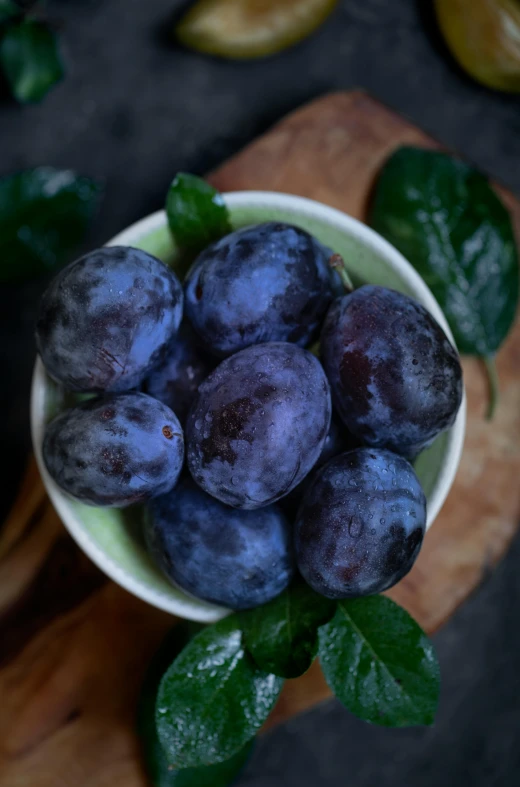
(111, 537)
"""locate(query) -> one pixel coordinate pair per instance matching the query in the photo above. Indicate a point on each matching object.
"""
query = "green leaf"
(197, 214)
(8, 10)
(44, 216)
(449, 223)
(159, 772)
(379, 663)
(213, 699)
(30, 59)
(282, 636)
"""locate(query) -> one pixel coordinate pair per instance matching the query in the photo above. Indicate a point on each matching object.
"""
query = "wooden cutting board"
(74, 646)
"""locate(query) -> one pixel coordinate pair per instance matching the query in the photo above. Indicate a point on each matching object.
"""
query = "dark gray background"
(132, 111)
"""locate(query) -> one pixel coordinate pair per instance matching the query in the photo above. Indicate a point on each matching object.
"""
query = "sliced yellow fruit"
(484, 36)
(250, 28)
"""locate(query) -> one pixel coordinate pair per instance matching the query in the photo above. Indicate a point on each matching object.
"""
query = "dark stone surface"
(135, 109)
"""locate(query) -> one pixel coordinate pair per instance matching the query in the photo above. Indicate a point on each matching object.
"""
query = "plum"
(176, 380)
(269, 282)
(396, 380)
(107, 319)
(238, 559)
(115, 450)
(361, 524)
(259, 424)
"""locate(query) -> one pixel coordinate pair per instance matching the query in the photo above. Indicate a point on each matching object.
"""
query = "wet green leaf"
(448, 222)
(159, 772)
(30, 59)
(44, 216)
(248, 28)
(213, 699)
(196, 213)
(282, 636)
(379, 663)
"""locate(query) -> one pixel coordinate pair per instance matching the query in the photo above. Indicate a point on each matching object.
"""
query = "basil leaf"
(30, 59)
(197, 214)
(212, 699)
(282, 636)
(159, 772)
(448, 222)
(44, 215)
(379, 663)
(8, 10)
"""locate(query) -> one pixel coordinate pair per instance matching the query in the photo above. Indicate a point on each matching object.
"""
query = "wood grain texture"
(74, 646)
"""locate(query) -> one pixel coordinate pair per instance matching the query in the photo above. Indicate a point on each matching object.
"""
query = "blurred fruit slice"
(484, 37)
(250, 28)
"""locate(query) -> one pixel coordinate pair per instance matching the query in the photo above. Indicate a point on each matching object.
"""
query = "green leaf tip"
(196, 212)
(160, 773)
(379, 663)
(30, 58)
(213, 699)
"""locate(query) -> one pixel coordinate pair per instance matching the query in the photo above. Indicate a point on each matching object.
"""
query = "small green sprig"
(221, 686)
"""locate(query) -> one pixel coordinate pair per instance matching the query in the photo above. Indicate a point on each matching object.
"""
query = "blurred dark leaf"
(44, 215)
(8, 10)
(30, 60)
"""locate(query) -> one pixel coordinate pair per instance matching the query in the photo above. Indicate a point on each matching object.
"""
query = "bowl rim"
(189, 606)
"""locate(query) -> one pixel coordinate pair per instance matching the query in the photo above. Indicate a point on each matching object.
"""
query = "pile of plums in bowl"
(254, 458)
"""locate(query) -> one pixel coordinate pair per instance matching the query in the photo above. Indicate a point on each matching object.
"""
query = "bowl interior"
(112, 537)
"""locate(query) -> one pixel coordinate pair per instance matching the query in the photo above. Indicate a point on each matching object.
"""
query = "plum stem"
(337, 263)
(494, 393)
